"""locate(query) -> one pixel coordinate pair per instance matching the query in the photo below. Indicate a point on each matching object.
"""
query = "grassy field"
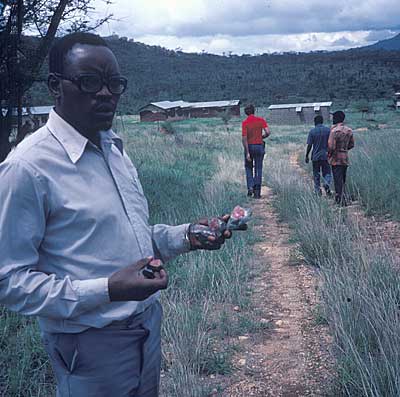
(197, 171)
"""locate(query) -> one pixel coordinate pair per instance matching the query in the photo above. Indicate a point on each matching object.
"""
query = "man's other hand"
(129, 284)
(307, 160)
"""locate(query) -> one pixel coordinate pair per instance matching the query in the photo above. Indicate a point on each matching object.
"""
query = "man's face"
(86, 111)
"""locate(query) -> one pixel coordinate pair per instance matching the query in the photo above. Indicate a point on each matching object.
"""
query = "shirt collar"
(72, 141)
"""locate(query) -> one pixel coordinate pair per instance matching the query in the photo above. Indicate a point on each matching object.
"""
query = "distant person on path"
(254, 131)
(340, 141)
(318, 141)
(75, 234)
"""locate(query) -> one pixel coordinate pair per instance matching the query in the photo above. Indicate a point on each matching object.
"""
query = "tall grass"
(375, 171)
(360, 289)
(200, 175)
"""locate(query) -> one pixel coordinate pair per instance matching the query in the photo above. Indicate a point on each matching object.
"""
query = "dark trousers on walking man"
(254, 168)
(322, 167)
(339, 179)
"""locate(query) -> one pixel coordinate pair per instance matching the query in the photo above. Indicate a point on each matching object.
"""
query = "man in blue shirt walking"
(318, 142)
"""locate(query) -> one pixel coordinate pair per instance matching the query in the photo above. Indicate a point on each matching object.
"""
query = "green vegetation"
(376, 171)
(184, 182)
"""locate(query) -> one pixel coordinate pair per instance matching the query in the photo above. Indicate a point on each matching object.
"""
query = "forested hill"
(157, 74)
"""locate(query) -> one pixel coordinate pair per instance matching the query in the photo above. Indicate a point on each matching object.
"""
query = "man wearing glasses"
(75, 234)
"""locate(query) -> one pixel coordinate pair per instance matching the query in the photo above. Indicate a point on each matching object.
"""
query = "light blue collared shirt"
(70, 216)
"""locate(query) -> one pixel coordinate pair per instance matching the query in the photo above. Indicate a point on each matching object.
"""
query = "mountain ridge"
(391, 44)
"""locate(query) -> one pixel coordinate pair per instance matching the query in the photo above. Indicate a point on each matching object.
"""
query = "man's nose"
(105, 91)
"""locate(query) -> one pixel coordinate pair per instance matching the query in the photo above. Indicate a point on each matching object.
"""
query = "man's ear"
(54, 85)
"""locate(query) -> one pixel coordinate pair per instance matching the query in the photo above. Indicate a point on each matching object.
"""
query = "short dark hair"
(318, 119)
(249, 109)
(60, 48)
(338, 117)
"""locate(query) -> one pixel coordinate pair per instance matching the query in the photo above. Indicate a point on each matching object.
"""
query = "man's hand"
(129, 284)
(307, 160)
(213, 241)
(248, 157)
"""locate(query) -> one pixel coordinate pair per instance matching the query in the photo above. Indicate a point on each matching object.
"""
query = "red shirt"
(252, 128)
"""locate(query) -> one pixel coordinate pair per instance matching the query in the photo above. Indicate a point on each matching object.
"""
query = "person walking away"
(318, 141)
(340, 141)
(254, 131)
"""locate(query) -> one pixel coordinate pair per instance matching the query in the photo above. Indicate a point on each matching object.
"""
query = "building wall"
(147, 115)
(289, 116)
(214, 112)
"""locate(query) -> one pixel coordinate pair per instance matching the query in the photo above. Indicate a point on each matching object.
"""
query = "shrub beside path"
(290, 357)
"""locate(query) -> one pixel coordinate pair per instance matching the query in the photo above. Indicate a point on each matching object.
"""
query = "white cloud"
(253, 25)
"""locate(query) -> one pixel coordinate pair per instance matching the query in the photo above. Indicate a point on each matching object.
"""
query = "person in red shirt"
(254, 131)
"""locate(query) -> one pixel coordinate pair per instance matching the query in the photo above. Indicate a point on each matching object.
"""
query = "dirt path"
(290, 357)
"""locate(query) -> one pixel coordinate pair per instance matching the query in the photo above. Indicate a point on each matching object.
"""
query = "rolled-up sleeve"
(169, 241)
(23, 287)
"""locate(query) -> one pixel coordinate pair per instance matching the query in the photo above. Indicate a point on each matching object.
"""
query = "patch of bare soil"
(290, 357)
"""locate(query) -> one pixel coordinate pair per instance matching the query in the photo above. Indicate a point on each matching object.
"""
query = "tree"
(20, 63)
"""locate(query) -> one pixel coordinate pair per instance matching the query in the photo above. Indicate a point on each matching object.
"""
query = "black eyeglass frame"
(77, 80)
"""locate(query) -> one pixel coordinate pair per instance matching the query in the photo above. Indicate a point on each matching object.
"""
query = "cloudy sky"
(252, 26)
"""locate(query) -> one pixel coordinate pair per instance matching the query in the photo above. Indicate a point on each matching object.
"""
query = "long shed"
(178, 110)
(298, 113)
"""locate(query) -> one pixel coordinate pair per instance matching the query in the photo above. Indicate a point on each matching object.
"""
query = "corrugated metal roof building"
(299, 113)
(178, 110)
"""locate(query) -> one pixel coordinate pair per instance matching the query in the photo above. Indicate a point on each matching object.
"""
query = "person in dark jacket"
(318, 142)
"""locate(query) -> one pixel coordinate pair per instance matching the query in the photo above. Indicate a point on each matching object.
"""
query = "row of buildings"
(178, 110)
(296, 113)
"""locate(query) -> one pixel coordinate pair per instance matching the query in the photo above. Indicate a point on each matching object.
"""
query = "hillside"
(392, 44)
(156, 74)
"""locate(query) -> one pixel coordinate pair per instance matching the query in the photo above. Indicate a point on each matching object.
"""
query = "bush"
(168, 128)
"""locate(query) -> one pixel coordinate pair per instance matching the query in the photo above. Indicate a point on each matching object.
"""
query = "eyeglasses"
(93, 83)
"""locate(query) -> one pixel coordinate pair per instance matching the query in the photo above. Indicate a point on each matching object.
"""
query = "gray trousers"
(120, 360)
